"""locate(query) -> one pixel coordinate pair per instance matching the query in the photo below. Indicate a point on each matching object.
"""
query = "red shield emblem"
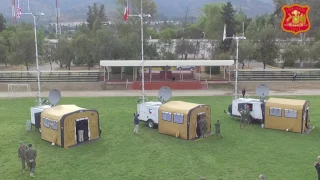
(295, 18)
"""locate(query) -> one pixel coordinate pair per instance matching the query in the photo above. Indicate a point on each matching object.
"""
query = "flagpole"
(142, 55)
(34, 15)
(141, 16)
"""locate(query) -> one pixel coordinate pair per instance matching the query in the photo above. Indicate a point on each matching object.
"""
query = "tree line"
(94, 41)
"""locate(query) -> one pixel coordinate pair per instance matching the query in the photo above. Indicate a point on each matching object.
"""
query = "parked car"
(191, 68)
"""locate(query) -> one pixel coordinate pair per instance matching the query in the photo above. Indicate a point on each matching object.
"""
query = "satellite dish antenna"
(164, 94)
(262, 90)
(54, 97)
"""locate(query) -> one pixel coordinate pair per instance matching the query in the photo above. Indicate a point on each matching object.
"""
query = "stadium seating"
(302, 75)
(54, 76)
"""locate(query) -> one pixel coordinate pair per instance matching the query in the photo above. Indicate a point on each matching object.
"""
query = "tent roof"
(60, 110)
(285, 102)
(178, 106)
(153, 63)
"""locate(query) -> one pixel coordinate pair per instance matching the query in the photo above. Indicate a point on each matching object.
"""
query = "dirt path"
(155, 93)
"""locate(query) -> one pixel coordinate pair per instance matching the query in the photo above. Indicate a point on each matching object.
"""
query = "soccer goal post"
(14, 89)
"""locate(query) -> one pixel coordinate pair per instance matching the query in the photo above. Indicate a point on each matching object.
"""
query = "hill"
(73, 10)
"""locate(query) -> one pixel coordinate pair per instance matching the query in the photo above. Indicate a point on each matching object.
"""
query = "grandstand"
(49, 76)
(279, 75)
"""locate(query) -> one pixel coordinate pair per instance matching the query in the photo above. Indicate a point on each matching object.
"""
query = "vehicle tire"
(191, 69)
(179, 68)
(230, 109)
(151, 123)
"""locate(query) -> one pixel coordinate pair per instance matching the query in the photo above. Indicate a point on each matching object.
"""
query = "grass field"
(241, 154)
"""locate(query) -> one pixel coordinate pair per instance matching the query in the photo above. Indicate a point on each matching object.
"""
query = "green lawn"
(241, 154)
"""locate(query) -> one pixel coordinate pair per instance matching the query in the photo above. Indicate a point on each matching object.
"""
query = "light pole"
(141, 16)
(34, 15)
(237, 38)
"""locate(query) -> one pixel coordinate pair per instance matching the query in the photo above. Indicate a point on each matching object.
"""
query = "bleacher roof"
(153, 63)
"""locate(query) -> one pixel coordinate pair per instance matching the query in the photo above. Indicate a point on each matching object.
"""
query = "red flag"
(126, 12)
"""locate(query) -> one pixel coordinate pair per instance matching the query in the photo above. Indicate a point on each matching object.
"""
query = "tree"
(228, 14)
(247, 51)
(151, 51)
(84, 50)
(94, 12)
(267, 50)
(240, 19)
(315, 52)
(184, 47)
(165, 41)
(252, 31)
(97, 25)
(288, 57)
(3, 51)
(106, 46)
(2, 22)
(49, 54)
(300, 53)
(210, 22)
(65, 53)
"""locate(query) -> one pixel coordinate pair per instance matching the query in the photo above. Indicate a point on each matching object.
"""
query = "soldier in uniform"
(203, 126)
(247, 120)
(217, 127)
(31, 155)
(242, 118)
(22, 155)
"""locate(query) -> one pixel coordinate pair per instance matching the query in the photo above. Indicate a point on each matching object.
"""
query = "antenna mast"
(13, 11)
(237, 38)
(58, 25)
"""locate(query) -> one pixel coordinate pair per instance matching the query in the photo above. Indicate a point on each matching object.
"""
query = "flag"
(126, 12)
(18, 11)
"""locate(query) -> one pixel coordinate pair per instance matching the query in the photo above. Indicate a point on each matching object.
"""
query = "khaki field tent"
(287, 114)
(179, 119)
(60, 124)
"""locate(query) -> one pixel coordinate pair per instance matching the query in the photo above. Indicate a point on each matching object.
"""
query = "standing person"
(242, 117)
(243, 92)
(31, 155)
(317, 166)
(248, 115)
(22, 155)
(203, 126)
(217, 128)
(81, 131)
(136, 123)
(294, 77)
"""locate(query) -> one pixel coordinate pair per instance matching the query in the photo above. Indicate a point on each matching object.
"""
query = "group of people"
(203, 125)
(27, 154)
